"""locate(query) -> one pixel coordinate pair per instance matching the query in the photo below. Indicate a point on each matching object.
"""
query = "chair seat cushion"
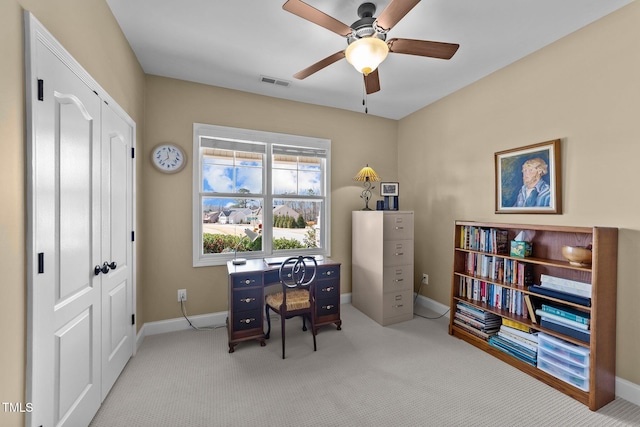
(297, 299)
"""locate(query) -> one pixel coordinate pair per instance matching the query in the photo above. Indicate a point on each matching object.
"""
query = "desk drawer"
(327, 289)
(249, 319)
(328, 272)
(247, 299)
(247, 280)
(398, 226)
(326, 307)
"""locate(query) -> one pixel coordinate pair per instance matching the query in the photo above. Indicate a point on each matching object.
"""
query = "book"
(566, 285)
(560, 295)
(495, 342)
(471, 329)
(530, 308)
(558, 327)
(563, 320)
(530, 345)
(568, 313)
(526, 335)
(515, 325)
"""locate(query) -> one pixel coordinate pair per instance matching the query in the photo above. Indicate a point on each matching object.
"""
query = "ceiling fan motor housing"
(364, 27)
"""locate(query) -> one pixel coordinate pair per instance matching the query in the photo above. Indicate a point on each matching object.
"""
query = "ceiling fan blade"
(423, 48)
(394, 12)
(319, 65)
(372, 82)
(312, 14)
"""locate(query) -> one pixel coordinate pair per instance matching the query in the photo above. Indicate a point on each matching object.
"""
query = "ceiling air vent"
(274, 81)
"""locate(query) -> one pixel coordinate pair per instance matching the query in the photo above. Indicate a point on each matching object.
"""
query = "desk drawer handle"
(329, 289)
(329, 273)
(247, 321)
(249, 281)
(398, 306)
(398, 280)
(247, 300)
(328, 307)
(399, 228)
(399, 253)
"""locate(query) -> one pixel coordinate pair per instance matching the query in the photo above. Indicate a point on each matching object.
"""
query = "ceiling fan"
(367, 38)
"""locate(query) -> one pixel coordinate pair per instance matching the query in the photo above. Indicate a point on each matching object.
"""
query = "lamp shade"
(366, 54)
(367, 174)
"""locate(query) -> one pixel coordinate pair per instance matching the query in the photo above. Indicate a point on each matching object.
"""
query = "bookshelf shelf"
(471, 288)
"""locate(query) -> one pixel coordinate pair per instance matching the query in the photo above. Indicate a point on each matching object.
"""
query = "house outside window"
(276, 185)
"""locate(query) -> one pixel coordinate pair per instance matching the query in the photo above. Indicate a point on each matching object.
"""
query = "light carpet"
(409, 374)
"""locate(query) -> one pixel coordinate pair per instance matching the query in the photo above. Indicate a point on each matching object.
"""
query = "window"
(275, 185)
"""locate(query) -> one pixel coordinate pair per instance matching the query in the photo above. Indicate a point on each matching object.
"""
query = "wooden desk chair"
(297, 277)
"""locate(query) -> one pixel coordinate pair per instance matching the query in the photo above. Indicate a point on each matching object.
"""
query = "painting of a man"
(528, 179)
(535, 191)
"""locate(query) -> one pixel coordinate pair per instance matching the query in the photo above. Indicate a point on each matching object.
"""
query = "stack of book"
(566, 320)
(517, 343)
(476, 321)
(564, 289)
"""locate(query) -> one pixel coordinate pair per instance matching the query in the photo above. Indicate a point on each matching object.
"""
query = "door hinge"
(41, 263)
(133, 152)
(40, 90)
(133, 319)
(133, 236)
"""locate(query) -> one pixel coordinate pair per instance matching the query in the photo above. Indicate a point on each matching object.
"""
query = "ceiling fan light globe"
(366, 54)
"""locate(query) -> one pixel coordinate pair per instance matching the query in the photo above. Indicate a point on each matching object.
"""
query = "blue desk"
(246, 298)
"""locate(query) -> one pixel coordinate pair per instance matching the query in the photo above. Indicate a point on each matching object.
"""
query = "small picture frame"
(528, 179)
(389, 189)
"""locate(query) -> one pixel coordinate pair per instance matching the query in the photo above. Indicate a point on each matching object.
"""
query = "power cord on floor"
(204, 328)
(420, 315)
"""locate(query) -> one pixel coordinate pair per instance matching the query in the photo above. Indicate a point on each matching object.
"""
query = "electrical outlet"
(182, 295)
(425, 279)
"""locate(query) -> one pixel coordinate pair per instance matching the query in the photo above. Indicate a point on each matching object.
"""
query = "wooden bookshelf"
(546, 258)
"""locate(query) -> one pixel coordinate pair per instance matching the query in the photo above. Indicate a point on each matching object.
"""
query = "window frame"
(269, 139)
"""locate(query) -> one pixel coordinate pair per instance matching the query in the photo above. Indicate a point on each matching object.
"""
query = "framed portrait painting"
(528, 179)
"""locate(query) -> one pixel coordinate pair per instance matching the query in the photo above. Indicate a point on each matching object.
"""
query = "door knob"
(98, 269)
(112, 265)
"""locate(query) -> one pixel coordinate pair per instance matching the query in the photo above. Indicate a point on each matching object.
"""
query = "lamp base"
(239, 261)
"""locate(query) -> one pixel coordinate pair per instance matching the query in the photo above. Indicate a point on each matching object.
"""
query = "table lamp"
(368, 175)
(252, 235)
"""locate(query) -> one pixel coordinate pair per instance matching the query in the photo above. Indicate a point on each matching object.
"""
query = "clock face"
(168, 158)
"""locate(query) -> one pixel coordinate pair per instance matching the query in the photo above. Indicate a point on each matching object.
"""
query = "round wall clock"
(168, 158)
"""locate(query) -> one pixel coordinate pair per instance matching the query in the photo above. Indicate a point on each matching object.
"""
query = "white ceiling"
(233, 43)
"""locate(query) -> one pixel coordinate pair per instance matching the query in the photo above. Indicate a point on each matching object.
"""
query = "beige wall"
(584, 89)
(87, 29)
(172, 106)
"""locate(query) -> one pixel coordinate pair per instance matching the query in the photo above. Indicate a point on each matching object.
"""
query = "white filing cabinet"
(382, 270)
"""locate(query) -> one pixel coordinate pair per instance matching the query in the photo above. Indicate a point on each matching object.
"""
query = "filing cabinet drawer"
(247, 299)
(247, 280)
(397, 278)
(397, 226)
(399, 252)
(397, 304)
(249, 319)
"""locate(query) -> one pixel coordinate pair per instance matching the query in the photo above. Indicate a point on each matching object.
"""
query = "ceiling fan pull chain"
(364, 99)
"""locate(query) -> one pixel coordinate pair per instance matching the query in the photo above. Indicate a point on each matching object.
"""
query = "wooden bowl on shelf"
(577, 255)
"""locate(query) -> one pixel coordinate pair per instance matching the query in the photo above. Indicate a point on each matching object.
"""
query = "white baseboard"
(624, 389)
(433, 305)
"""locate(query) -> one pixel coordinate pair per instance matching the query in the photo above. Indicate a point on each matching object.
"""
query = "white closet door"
(66, 292)
(80, 251)
(117, 294)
